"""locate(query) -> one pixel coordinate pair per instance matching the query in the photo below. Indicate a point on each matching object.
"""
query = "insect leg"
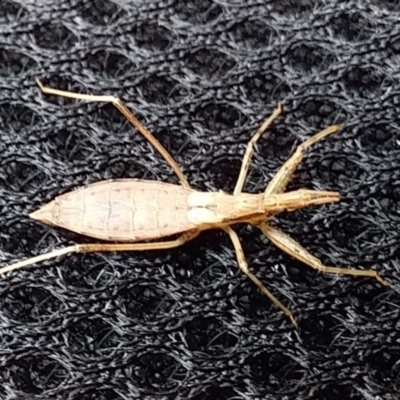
(244, 267)
(282, 177)
(290, 246)
(249, 150)
(128, 115)
(100, 247)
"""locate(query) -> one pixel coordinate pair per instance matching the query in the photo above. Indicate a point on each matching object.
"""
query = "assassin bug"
(131, 211)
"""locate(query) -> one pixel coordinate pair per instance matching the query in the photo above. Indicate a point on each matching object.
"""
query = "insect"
(135, 213)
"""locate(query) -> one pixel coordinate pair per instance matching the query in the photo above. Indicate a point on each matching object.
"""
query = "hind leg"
(117, 103)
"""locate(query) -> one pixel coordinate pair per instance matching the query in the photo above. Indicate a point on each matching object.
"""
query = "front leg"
(282, 177)
(291, 247)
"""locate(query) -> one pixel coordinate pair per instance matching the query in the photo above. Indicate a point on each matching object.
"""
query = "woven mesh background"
(186, 323)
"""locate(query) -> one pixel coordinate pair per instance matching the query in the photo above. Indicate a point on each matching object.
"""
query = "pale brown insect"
(134, 210)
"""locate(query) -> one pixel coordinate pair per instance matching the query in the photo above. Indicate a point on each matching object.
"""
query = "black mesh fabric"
(202, 76)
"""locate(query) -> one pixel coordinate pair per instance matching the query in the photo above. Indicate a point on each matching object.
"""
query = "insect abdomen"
(121, 210)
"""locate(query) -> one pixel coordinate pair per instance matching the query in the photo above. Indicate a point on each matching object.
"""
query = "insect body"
(130, 211)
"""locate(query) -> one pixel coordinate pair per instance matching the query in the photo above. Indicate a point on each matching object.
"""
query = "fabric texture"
(185, 323)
